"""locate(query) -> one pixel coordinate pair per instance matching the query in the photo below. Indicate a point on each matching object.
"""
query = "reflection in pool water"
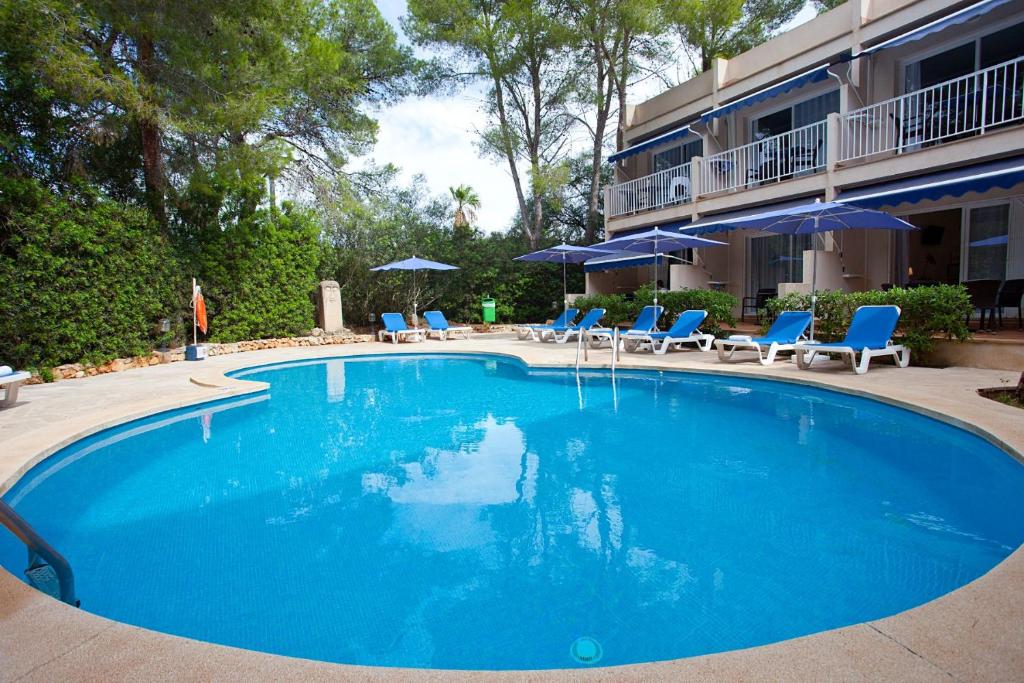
(464, 513)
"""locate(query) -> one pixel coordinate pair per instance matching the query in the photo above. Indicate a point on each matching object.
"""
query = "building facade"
(915, 107)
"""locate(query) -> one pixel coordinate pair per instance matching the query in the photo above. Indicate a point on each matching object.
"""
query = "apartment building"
(914, 107)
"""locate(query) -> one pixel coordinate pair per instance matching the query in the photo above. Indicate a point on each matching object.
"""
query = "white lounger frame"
(11, 384)
(901, 355)
(637, 342)
(530, 332)
(750, 345)
(417, 334)
(443, 334)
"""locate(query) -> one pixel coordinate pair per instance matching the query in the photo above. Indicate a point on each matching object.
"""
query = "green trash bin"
(488, 310)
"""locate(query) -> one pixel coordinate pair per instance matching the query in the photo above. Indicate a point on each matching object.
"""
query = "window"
(801, 114)
(777, 258)
(1001, 46)
(994, 48)
(676, 156)
(988, 231)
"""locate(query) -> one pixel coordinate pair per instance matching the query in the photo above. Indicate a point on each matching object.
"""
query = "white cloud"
(436, 138)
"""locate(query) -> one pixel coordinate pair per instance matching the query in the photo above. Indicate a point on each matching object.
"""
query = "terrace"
(980, 104)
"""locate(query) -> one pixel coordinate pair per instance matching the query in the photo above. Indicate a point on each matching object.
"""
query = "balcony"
(768, 160)
(965, 106)
(664, 188)
(979, 103)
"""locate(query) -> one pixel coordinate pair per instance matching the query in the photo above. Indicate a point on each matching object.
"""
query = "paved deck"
(975, 633)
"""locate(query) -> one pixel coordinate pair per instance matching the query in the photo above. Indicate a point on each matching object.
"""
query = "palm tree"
(466, 201)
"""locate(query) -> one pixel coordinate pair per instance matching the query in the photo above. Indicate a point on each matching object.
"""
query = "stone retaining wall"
(76, 370)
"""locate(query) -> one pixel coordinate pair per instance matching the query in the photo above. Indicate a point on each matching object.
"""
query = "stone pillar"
(329, 307)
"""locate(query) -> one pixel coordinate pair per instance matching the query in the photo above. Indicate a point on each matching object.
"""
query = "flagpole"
(195, 325)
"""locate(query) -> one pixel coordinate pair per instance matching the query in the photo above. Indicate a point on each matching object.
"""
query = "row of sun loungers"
(869, 336)
(437, 326)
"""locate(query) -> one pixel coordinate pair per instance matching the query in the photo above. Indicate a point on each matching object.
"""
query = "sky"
(436, 137)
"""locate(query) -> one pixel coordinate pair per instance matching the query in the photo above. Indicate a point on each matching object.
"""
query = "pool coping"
(973, 632)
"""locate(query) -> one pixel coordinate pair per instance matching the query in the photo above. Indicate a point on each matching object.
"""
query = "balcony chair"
(984, 294)
(757, 302)
(1010, 297)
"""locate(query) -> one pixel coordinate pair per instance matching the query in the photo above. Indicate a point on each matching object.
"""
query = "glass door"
(988, 235)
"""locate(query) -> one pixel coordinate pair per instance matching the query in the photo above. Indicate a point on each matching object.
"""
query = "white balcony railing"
(669, 186)
(770, 159)
(962, 106)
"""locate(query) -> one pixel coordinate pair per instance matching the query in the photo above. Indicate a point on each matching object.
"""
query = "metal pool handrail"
(38, 548)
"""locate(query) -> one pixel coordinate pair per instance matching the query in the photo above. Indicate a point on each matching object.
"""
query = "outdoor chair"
(395, 327)
(534, 331)
(11, 381)
(984, 296)
(870, 335)
(1010, 297)
(439, 326)
(757, 302)
(788, 330)
(683, 331)
(645, 323)
(561, 335)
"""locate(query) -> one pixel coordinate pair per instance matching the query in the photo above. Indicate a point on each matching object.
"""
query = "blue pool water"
(465, 512)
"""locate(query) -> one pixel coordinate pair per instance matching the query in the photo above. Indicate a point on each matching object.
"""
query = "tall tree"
(521, 50)
(466, 203)
(723, 28)
(612, 35)
(247, 86)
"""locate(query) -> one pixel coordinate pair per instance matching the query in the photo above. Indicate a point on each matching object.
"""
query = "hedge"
(84, 281)
(719, 306)
(927, 312)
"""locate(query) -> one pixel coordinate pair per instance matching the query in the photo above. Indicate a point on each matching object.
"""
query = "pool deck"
(975, 633)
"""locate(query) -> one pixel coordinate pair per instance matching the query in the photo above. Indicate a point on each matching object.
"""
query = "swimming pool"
(465, 512)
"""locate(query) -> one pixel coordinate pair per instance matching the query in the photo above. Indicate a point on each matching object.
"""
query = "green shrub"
(719, 306)
(83, 281)
(259, 276)
(927, 312)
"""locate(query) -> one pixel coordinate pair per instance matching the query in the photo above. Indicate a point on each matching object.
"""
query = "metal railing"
(668, 186)
(796, 152)
(962, 106)
(40, 553)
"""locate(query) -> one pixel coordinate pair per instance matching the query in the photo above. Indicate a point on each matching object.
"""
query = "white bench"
(11, 383)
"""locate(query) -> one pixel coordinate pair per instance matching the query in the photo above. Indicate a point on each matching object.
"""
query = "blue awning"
(674, 134)
(718, 222)
(957, 182)
(673, 226)
(815, 75)
(619, 259)
(960, 17)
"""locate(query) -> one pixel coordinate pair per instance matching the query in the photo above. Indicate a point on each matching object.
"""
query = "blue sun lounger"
(788, 330)
(395, 327)
(683, 331)
(534, 331)
(645, 323)
(439, 326)
(870, 335)
(563, 334)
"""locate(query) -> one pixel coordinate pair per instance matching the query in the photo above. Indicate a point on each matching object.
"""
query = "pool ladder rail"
(583, 342)
(47, 569)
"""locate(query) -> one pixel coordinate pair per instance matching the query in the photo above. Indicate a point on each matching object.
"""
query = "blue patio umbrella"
(415, 264)
(814, 218)
(658, 242)
(564, 254)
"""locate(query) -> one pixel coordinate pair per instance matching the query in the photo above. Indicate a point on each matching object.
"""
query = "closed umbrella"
(814, 218)
(564, 254)
(415, 264)
(658, 242)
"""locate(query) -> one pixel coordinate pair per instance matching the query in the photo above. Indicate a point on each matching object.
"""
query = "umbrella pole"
(655, 273)
(195, 324)
(565, 291)
(814, 275)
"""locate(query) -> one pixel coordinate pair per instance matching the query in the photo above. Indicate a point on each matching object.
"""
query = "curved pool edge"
(973, 632)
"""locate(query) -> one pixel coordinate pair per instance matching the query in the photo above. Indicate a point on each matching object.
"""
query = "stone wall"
(76, 370)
